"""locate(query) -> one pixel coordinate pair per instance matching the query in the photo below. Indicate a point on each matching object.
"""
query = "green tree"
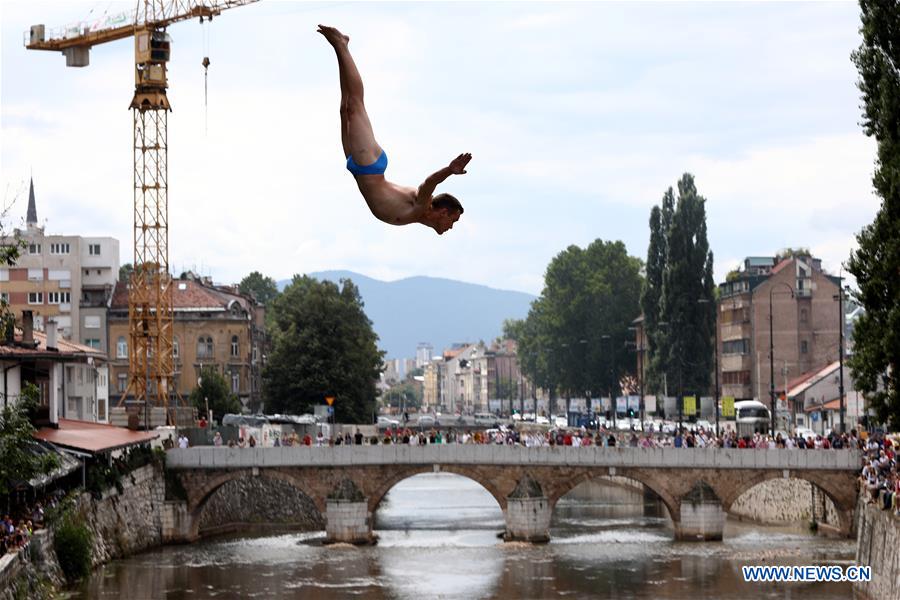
(11, 246)
(263, 288)
(573, 340)
(323, 344)
(407, 394)
(17, 463)
(213, 389)
(684, 345)
(875, 364)
(125, 272)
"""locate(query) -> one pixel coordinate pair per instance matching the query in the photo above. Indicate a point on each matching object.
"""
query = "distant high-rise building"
(68, 278)
(424, 354)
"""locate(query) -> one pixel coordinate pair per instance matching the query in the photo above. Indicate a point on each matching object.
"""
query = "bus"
(751, 417)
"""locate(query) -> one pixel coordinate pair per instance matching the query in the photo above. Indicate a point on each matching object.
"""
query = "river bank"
(135, 519)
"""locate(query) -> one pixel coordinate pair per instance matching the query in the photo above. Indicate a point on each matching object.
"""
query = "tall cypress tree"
(875, 364)
(651, 293)
(687, 302)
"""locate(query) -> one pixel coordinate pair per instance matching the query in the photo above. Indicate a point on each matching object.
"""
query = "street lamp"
(715, 360)
(772, 354)
(612, 399)
(639, 348)
(840, 299)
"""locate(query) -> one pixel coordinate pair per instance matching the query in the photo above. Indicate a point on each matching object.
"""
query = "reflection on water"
(438, 538)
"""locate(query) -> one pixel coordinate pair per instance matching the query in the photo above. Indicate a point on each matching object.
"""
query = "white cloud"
(579, 117)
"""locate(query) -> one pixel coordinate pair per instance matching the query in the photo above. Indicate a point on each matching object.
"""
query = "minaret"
(31, 218)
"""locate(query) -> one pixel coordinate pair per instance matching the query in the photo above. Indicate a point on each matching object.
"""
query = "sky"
(578, 115)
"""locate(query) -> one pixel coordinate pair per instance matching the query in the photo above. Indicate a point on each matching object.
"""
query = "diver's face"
(445, 221)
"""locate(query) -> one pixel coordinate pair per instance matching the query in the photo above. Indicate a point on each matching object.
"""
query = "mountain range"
(429, 309)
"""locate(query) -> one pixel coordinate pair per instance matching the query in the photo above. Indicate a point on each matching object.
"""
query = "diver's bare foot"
(333, 36)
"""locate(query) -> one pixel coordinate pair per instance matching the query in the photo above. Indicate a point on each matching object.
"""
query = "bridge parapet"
(209, 457)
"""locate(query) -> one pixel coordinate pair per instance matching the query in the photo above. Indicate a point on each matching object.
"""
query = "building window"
(804, 347)
(736, 347)
(255, 354)
(205, 347)
(34, 248)
(35, 274)
(121, 348)
(59, 297)
(235, 382)
(69, 374)
(35, 297)
(92, 343)
(235, 347)
(736, 377)
(92, 322)
(80, 375)
(175, 348)
(94, 249)
(122, 384)
(804, 315)
(59, 248)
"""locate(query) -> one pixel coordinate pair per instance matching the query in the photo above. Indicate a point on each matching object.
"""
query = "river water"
(438, 539)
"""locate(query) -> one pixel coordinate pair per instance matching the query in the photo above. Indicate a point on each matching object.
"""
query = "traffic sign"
(329, 400)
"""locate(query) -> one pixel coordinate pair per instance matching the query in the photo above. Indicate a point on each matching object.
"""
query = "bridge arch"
(567, 485)
(841, 489)
(377, 494)
(202, 498)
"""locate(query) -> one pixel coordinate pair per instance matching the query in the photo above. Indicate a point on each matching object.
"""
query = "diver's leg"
(357, 136)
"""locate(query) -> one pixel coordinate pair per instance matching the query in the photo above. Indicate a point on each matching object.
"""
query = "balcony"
(735, 362)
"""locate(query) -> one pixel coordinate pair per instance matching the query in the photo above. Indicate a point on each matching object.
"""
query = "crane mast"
(151, 364)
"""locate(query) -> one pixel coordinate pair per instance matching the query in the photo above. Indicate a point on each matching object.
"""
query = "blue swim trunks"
(376, 168)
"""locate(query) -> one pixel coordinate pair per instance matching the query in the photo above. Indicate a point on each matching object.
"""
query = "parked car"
(541, 420)
(428, 421)
(385, 422)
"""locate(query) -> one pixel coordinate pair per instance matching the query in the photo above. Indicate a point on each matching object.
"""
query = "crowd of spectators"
(697, 437)
(17, 527)
(880, 475)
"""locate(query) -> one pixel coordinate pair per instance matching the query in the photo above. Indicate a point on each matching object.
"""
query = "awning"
(93, 437)
(67, 464)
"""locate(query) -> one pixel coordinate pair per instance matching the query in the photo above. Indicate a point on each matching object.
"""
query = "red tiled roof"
(92, 437)
(63, 348)
(807, 380)
(781, 265)
(186, 294)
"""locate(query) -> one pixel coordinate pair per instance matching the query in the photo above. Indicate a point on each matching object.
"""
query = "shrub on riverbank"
(73, 541)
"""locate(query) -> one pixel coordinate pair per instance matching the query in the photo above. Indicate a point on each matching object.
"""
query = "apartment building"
(214, 326)
(805, 322)
(68, 278)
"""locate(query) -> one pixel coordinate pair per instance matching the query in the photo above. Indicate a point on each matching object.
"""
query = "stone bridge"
(347, 483)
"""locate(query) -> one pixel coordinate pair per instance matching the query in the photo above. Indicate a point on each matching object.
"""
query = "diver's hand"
(458, 164)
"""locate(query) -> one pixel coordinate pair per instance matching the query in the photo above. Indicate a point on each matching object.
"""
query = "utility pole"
(840, 299)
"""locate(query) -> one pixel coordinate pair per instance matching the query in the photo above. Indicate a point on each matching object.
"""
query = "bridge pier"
(528, 513)
(702, 517)
(528, 520)
(348, 522)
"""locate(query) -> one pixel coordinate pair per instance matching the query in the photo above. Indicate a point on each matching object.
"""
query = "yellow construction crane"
(151, 366)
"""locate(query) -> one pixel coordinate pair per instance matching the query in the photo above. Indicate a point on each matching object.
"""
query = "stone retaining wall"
(128, 522)
(34, 575)
(782, 501)
(878, 546)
